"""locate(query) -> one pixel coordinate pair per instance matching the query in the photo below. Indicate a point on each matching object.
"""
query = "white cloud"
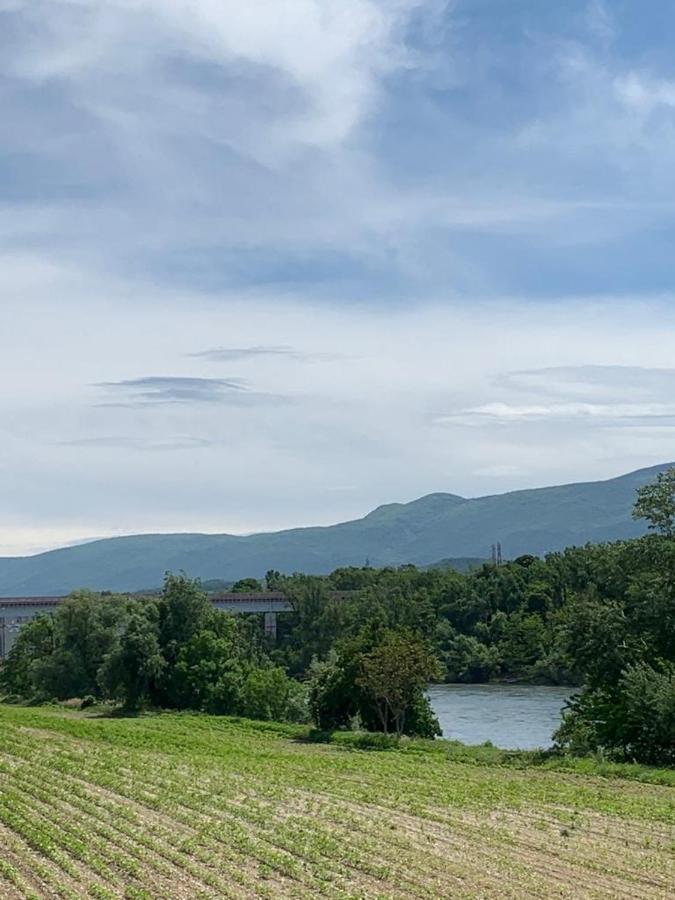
(202, 131)
(620, 396)
(166, 158)
(369, 422)
(644, 93)
(600, 22)
(321, 58)
(614, 413)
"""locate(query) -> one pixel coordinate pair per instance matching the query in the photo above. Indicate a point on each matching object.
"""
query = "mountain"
(459, 564)
(435, 527)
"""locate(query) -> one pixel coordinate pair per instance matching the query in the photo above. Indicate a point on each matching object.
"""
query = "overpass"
(16, 611)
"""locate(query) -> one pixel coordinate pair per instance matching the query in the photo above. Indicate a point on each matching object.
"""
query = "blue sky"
(275, 265)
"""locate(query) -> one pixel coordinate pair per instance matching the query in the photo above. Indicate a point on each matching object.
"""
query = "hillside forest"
(601, 617)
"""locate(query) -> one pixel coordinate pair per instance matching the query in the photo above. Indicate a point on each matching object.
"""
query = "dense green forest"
(599, 616)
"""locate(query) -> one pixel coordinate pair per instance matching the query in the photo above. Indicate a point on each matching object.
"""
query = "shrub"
(634, 721)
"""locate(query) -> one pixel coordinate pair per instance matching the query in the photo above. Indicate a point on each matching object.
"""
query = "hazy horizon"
(291, 526)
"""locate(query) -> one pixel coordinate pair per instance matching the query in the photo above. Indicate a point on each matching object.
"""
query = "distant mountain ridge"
(424, 531)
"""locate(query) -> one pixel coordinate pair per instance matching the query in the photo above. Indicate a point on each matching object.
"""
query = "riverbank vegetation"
(361, 643)
(191, 805)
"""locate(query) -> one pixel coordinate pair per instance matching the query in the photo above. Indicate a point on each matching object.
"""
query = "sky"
(276, 263)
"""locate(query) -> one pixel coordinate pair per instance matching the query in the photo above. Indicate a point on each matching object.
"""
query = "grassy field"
(177, 806)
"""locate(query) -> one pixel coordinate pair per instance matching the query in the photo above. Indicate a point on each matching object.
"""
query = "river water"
(512, 716)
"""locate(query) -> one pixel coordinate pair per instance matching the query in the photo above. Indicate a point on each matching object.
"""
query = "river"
(512, 716)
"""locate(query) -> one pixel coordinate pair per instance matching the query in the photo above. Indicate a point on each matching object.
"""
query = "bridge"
(16, 611)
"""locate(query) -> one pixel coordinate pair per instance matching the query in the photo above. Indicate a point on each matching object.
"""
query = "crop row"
(199, 807)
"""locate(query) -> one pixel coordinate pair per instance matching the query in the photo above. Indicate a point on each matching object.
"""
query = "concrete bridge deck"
(16, 611)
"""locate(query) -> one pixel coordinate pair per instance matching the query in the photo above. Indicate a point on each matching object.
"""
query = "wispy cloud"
(236, 354)
(167, 390)
(128, 442)
(620, 396)
(644, 92)
(317, 63)
(605, 382)
(355, 149)
(614, 414)
(316, 229)
(600, 21)
(229, 354)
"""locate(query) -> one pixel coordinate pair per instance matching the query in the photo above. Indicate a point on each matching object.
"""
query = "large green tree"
(656, 503)
(134, 666)
(395, 673)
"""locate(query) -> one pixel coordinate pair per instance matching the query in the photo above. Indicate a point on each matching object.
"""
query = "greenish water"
(512, 716)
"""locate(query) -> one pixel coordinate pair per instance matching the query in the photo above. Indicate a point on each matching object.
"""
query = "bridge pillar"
(9, 631)
(271, 625)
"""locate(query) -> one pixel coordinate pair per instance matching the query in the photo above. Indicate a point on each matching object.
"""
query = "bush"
(369, 740)
(646, 726)
(354, 740)
(269, 694)
(634, 722)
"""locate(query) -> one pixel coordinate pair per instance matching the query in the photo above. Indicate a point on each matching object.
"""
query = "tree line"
(601, 617)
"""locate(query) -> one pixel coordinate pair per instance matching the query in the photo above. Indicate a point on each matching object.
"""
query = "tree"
(523, 643)
(36, 641)
(210, 673)
(58, 656)
(633, 719)
(333, 691)
(466, 659)
(396, 673)
(246, 586)
(85, 629)
(316, 622)
(647, 723)
(274, 580)
(656, 503)
(184, 611)
(135, 664)
(269, 694)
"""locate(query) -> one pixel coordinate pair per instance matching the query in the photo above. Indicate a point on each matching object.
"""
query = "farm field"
(188, 806)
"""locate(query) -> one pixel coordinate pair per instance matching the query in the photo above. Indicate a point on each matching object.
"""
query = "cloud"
(383, 214)
(620, 396)
(162, 390)
(170, 442)
(645, 93)
(615, 414)
(204, 144)
(183, 452)
(356, 150)
(608, 382)
(229, 354)
(312, 65)
(600, 22)
(236, 354)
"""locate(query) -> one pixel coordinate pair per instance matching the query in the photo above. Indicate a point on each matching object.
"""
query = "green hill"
(435, 527)
(459, 564)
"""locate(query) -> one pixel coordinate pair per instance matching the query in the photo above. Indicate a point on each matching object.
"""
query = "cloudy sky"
(275, 263)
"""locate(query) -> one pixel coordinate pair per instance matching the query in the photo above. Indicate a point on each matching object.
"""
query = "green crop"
(192, 806)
